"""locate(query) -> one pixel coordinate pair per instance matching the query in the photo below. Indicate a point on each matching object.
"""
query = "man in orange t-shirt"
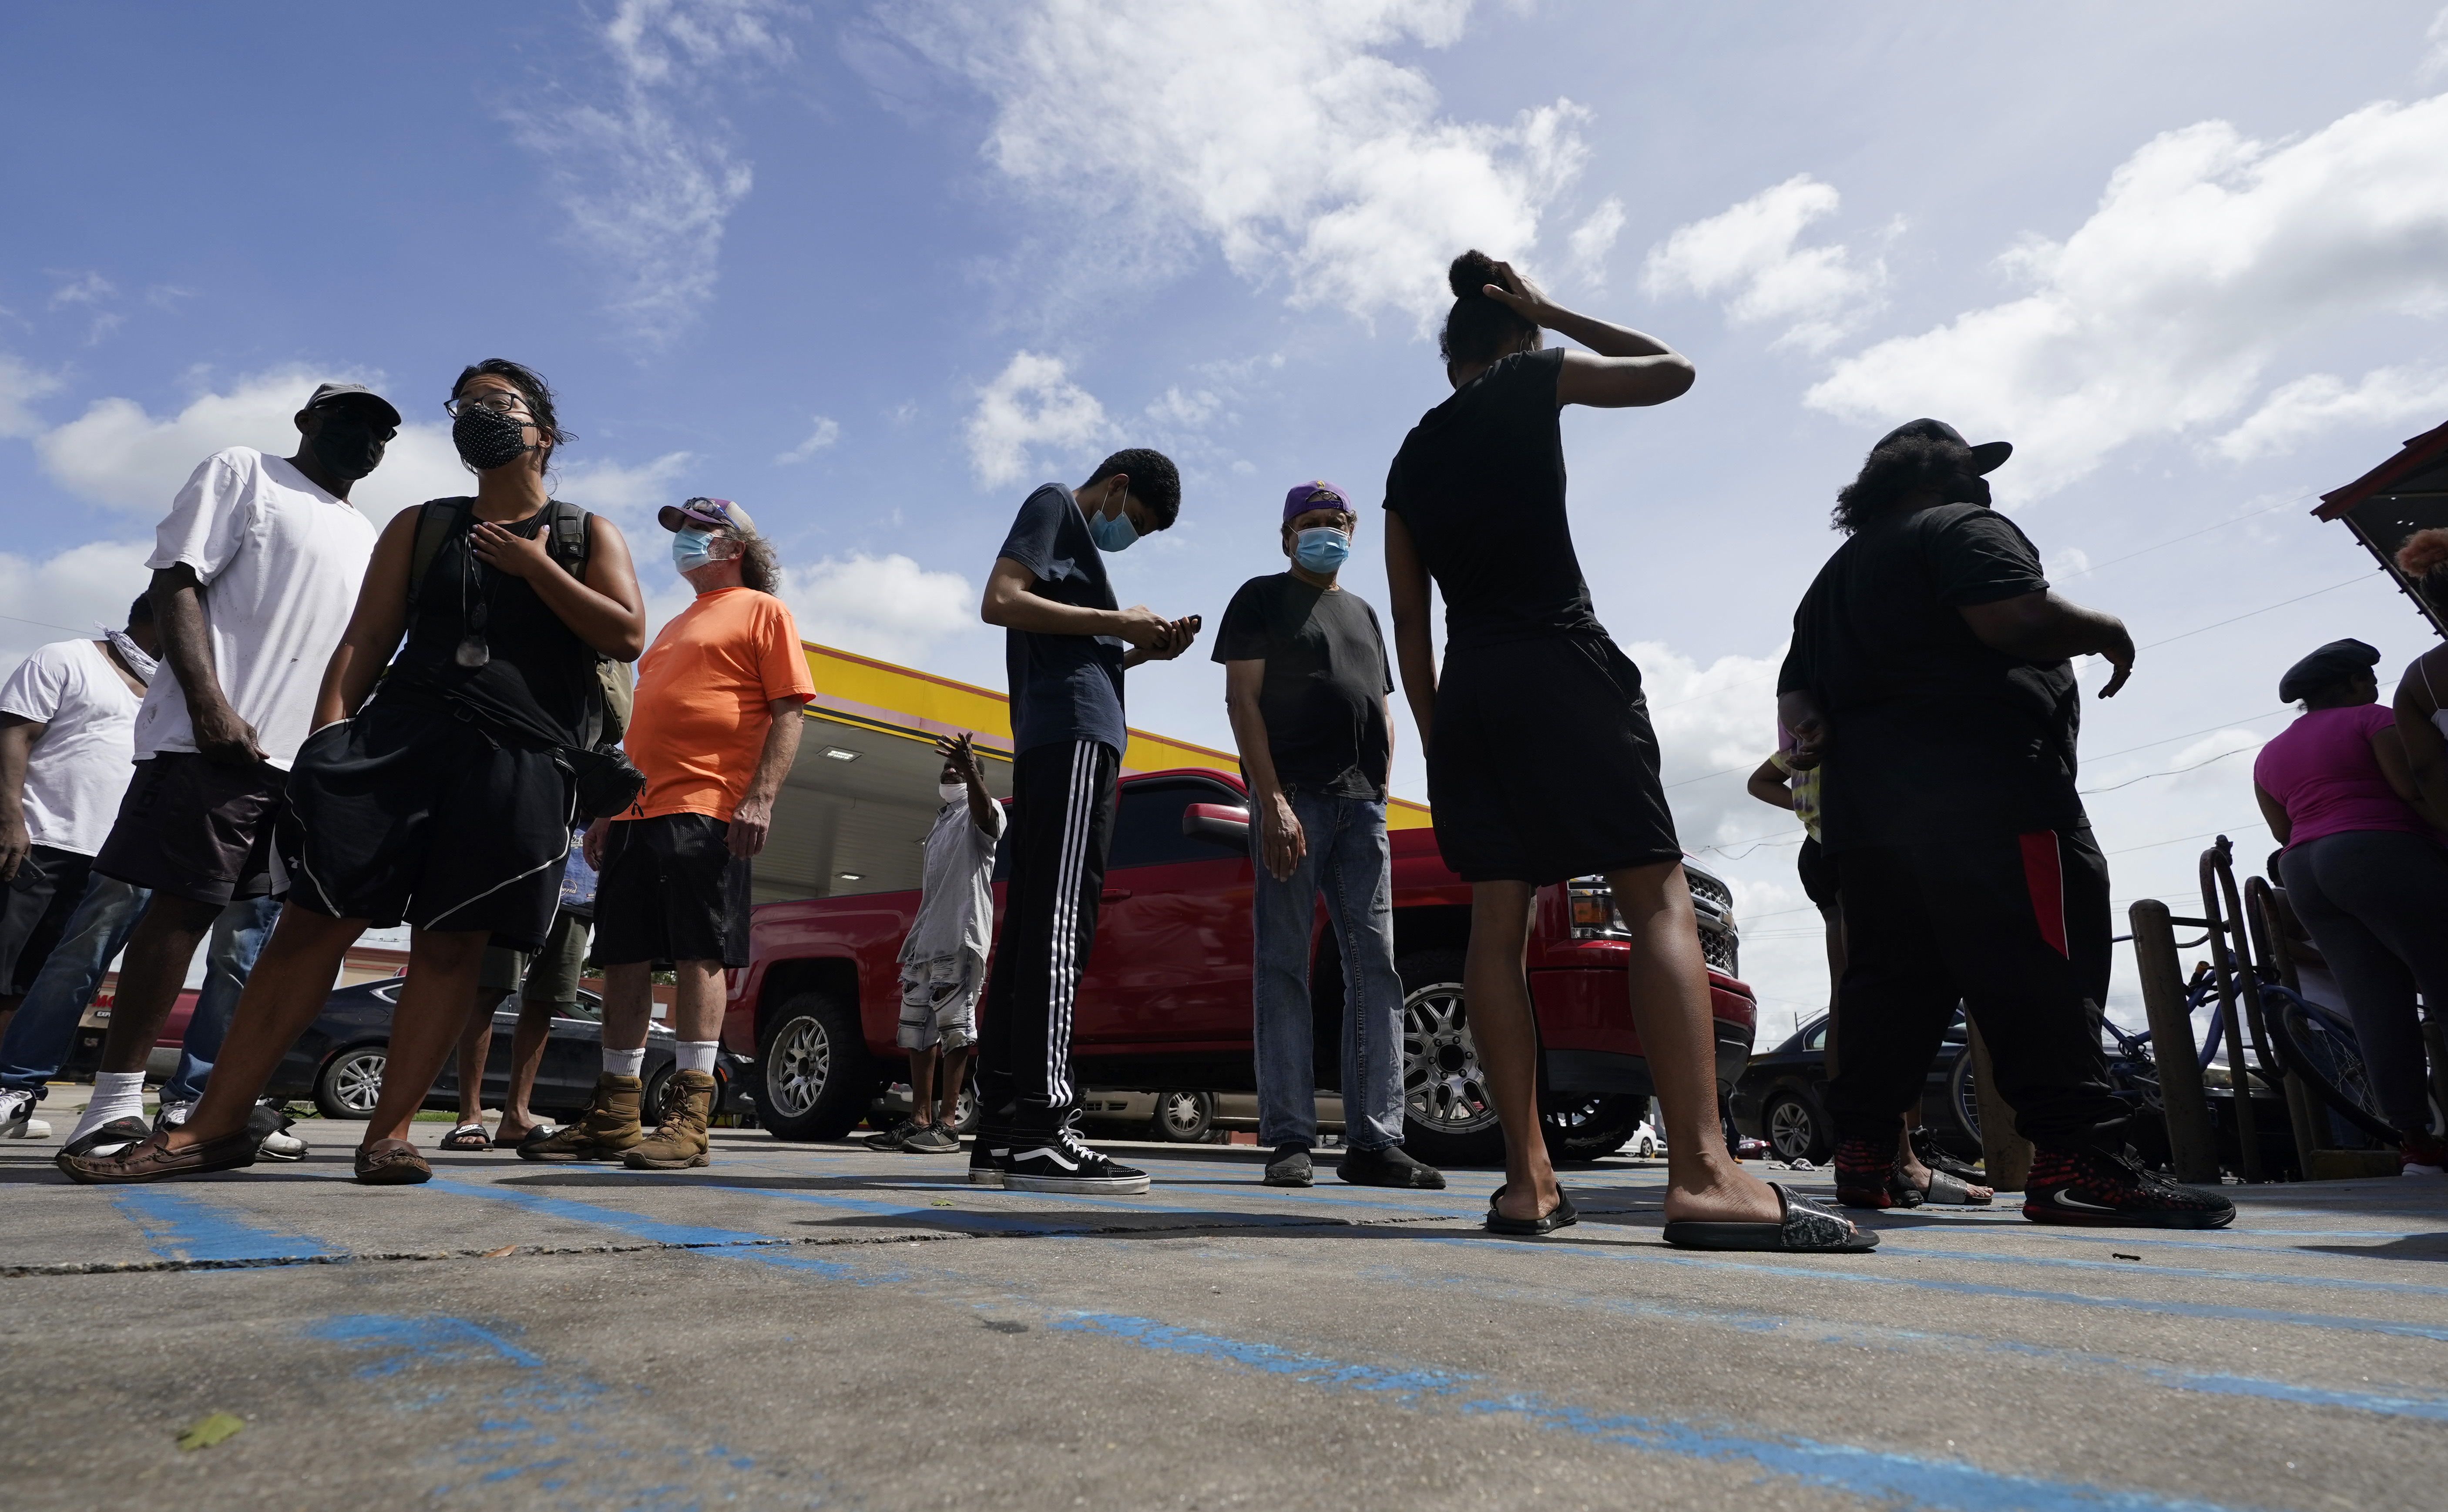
(715, 728)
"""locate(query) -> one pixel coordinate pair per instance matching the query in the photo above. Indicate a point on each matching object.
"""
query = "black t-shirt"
(1063, 687)
(1324, 696)
(1479, 482)
(1932, 735)
(538, 677)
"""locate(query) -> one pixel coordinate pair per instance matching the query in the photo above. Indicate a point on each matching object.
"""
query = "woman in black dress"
(1542, 763)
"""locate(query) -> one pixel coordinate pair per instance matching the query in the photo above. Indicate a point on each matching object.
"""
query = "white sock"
(623, 1062)
(116, 1095)
(695, 1055)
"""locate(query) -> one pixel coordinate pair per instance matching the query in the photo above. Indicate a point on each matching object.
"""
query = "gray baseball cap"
(333, 393)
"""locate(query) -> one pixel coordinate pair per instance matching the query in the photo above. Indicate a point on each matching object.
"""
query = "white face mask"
(952, 791)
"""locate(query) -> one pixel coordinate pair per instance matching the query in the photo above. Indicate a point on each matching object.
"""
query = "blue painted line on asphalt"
(185, 1225)
(1947, 1485)
(2397, 1401)
(2180, 1273)
(405, 1341)
(633, 1223)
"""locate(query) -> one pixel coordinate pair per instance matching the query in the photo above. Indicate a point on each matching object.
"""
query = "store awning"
(2406, 493)
(855, 808)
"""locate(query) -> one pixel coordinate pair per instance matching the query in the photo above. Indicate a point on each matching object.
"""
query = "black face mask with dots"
(487, 440)
(348, 444)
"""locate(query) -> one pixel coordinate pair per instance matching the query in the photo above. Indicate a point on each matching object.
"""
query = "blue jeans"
(45, 1027)
(1347, 860)
(238, 938)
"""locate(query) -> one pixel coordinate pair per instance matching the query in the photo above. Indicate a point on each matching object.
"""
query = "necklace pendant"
(473, 652)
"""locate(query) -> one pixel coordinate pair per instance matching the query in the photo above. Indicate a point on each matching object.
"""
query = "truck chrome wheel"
(797, 1068)
(1449, 1116)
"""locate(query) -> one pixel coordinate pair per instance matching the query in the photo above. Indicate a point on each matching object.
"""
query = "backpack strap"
(435, 519)
(569, 540)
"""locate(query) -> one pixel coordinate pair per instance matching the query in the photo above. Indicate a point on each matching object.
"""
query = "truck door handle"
(1113, 894)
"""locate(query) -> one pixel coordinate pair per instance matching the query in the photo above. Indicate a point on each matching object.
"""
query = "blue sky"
(876, 270)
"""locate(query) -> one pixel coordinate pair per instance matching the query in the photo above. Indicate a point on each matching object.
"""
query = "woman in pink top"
(2364, 869)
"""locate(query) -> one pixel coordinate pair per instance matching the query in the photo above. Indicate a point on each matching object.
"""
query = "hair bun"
(2423, 551)
(1471, 274)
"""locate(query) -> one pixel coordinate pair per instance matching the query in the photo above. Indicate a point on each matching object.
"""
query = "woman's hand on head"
(1530, 304)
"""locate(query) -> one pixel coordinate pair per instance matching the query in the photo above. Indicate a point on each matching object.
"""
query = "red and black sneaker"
(2423, 1155)
(1869, 1175)
(2093, 1187)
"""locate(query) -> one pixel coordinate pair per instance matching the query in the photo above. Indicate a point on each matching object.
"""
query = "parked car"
(338, 1062)
(1165, 1000)
(1781, 1097)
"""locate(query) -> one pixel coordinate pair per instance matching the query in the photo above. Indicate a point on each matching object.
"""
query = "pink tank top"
(2322, 771)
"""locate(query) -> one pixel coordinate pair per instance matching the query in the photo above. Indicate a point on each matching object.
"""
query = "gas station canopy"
(855, 812)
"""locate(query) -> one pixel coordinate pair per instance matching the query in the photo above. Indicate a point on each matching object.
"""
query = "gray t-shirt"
(956, 906)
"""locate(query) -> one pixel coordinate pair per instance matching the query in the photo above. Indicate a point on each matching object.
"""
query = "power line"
(2205, 834)
(2189, 534)
(2170, 773)
(2186, 736)
(2264, 609)
(45, 624)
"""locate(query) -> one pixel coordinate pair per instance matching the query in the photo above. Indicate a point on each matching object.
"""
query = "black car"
(339, 1061)
(1782, 1097)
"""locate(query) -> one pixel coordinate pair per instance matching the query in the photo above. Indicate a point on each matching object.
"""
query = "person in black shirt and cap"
(1542, 763)
(1305, 680)
(1929, 674)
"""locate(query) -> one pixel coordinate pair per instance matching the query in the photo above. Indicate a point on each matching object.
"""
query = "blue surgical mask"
(1322, 550)
(1115, 534)
(691, 549)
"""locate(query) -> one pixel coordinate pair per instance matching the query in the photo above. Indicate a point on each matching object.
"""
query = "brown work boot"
(688, 1098)
(609, 1127)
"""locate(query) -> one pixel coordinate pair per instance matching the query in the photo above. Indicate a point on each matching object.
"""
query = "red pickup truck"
(1165, 1002)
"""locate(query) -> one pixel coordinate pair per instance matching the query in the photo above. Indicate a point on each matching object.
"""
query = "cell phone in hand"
(1191, 623)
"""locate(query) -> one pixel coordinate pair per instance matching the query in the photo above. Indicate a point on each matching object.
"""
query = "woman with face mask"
(444, 800)
(1542, 763)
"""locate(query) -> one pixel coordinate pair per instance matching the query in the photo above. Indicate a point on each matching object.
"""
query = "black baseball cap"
(1986, 457)
(334, 393)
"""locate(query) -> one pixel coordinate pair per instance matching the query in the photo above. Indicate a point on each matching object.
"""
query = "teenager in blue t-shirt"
(1067, 646)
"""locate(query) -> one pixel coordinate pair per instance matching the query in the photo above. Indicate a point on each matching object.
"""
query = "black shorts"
(1543, 765)
(49, 884)
(407, 812)
(671, 891)
(1817, 875)
(196, 829)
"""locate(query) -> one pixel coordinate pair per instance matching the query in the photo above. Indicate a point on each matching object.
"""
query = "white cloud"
(889, 608)
(649, 176)
(2434, 62)
(118, 455)
(87, 289)
(2322, 401)
(1748, 253)
(1594, 239)
(1031, 404)
(20, 384)
(827, 431)
(64, 596)
(1273, 128)
(2158, 315)
(1192, 410)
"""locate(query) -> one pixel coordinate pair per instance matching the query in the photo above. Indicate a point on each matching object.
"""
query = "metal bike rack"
(2192, 1145)
(2269, 953)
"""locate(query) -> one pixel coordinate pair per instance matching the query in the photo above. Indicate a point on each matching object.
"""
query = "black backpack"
(567, 542)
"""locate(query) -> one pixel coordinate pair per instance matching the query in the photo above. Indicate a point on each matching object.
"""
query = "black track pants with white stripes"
(1061, 825)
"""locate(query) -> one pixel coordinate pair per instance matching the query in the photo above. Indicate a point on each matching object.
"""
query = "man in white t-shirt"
(255, 575)
(67, 717)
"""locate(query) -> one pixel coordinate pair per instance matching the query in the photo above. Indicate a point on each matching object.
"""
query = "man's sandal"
(1803, 1226)
(1949, 1190)
(465, 1137)
(392, 1163)
(1562, 1216)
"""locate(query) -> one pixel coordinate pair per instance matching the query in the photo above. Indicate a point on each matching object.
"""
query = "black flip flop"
(538, 1135)
(1562, 1215)
(1803, 1227)
(465, 1137)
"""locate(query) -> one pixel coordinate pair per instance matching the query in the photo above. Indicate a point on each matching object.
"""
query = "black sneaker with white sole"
(2094, 1189)
(1061, 1161)
(989, 1153)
